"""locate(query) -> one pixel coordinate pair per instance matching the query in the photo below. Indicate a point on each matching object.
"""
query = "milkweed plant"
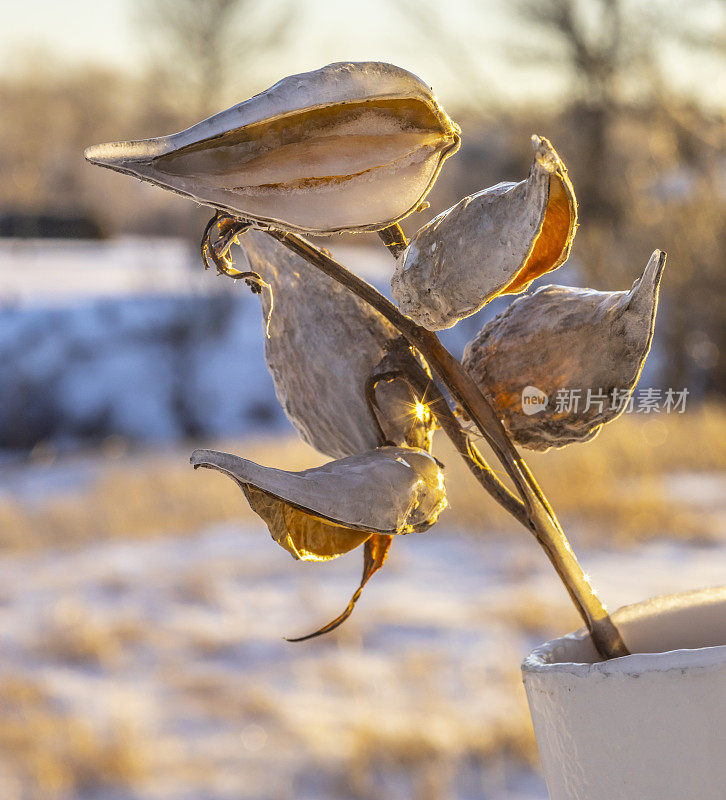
(356, 147)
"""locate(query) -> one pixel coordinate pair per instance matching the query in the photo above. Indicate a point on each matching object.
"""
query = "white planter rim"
(575, 655)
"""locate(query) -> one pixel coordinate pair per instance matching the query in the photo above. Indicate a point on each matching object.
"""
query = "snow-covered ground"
(168, 654)
(130, 337)
(53, 272)
(146, 668)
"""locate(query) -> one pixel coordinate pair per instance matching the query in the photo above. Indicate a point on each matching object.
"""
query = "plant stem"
(400, 364)
(541, 519)
(394, 238)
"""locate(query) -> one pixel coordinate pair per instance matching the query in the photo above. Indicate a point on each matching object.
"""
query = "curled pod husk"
(321, 513)
(322, 345)
(351, 146)
(561, 362)
(494, 242)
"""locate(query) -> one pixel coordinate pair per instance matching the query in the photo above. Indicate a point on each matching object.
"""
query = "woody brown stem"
(394, 238)
(541, 519)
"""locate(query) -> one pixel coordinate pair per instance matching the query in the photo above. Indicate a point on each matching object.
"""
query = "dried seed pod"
(375, 552)
(496, 241)
(351, 146)
(321, 347)
(561, 362)
(321, 513)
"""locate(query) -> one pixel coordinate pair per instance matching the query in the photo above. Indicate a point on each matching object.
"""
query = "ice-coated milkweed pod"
(349, 147)
(323, 512)
(322, 344)
(561, 362)
(496, 241)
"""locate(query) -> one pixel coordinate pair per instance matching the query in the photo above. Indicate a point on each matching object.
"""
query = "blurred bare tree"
(696, 225)
(428, 23)
(649, 165)
(648, 160)
(202, 51)
(602, 50)
(49, 115)
(202, 56)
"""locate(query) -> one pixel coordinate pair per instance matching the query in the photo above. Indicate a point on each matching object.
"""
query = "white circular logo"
(534, 400)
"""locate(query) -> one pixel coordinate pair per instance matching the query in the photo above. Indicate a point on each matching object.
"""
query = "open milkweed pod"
(349, 147)
(323, 512)
(494, 242)
(322, 344)
(561, 362)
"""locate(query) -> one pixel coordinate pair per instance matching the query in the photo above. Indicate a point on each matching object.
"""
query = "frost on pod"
(351, 146)
(321, 513)
(562, 338)
(496, 241)
(322, 344)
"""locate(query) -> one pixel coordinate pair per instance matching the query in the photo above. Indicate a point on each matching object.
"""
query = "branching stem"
(540, 519)
(403, 366)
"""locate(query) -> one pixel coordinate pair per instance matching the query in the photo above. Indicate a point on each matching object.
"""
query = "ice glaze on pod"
(320, 513)
(349, 147)
(563, 339)
(322, 343)
(496, 241)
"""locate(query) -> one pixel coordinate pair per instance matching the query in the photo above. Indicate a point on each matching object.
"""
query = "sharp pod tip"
(544, 154)
(661, 256)
(119, 155)
(92, 152)
(195, 458)
(298, 638)
(644, 294)
(104, 155)
(653, 271)
(206, 458)
(331, 626)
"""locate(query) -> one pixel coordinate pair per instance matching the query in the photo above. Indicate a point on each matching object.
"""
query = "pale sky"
(103, 30)
(329, 30)
(74, 29)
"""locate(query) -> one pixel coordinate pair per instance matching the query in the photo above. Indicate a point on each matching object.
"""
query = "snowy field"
(131, 338)
(48, 272)
(142, 609)
(156, 668)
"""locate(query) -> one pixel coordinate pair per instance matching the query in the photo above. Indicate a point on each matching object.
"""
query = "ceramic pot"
(649, 726)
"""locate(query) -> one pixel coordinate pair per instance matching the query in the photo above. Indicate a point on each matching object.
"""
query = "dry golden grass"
(75, 634)
(49, 753)
(419, 739)
(613, 485)
(535, 615)
(141, 496)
